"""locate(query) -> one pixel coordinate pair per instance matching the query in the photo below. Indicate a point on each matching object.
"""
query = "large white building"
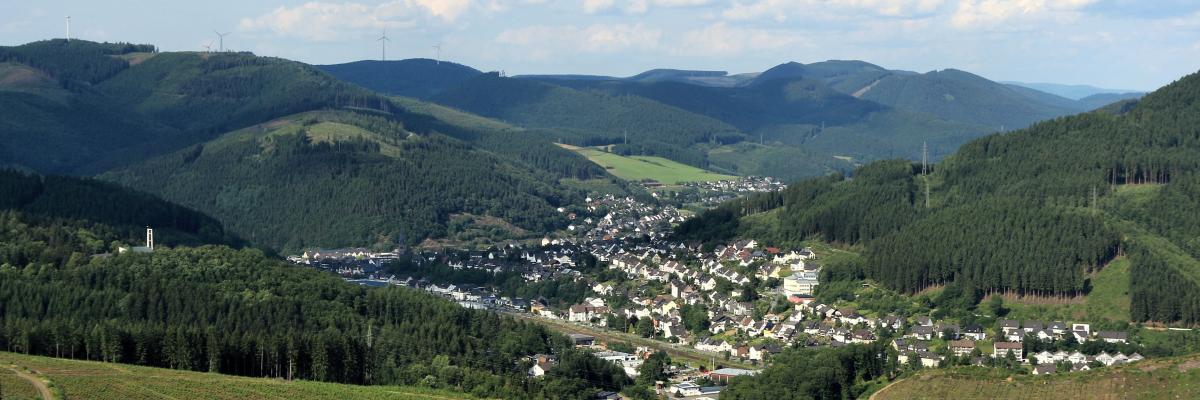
(801, 282)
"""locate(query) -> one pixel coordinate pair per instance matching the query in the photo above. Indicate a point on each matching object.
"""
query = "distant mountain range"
(287, 155)
(1074, 92)
(831, 115)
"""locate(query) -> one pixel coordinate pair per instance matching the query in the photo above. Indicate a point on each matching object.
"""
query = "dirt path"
(37, 383)
(874, 396)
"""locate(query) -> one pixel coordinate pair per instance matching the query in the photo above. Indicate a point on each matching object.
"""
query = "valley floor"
(677, 352)
(74, 379)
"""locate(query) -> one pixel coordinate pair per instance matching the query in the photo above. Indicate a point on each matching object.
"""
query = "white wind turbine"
(221, 40)
(438, 57)
(383, 45)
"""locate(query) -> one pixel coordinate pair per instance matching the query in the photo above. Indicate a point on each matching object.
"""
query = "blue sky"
(1124, 44)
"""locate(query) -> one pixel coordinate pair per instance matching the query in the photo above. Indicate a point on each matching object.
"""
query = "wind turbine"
(68, 28)
(383, 45)
(438, 58)
(221, 40)
(207, 47)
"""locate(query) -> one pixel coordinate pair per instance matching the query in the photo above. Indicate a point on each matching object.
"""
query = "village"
(739, 303)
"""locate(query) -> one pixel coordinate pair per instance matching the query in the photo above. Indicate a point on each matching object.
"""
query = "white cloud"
(720, 39)
(637, 6)
(328, 21)
(447, 10)
(989, 12)
(545, 41)
(595, 6)
(505, 5)
(780, 10)
(681, 3)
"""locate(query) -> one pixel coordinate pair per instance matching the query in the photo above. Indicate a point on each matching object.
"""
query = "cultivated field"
(1175, 378)
(636, 168)
(72, 379)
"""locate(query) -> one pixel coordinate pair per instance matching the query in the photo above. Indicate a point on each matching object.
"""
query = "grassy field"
(1173, 378)
(636, 168)
(95, 380)
(14, 387)
(1108, 300)
(319, 132)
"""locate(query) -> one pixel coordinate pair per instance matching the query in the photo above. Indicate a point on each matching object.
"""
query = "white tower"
(68, 28)
(149, 238)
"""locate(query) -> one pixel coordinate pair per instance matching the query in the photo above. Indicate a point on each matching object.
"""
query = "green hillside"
(84, 107)
(636, 125)
(808, 114)
(774, 159)
(806, 117)
(420, 78)
(640, 168)
(497, 137)
(76, 379)
(65, 203)
(341, 178)
(51, 117)
(961, 96)
(1034, 212)
(1174, 378)
(149, 119)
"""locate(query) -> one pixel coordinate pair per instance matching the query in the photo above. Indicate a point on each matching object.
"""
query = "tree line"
(240, 312)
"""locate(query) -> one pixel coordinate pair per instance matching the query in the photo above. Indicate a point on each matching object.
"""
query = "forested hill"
(816, 115)
(635, 125)
(420, 78)
(1033, 211)
(115, 213)
(150, 119)
(346, 178)
(221, 310)
(83, 107)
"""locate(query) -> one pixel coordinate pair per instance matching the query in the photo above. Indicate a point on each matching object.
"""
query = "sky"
(1119, 44)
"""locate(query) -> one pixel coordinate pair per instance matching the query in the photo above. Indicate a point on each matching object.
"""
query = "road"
(37, 383)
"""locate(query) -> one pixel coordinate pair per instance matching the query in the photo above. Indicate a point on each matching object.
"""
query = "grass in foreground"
(96, 380)
(636, 168)
(1172, 378)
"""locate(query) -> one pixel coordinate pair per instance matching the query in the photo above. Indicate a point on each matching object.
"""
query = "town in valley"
(735, 305)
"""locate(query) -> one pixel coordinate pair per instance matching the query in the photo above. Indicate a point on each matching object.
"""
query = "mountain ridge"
(836, 107)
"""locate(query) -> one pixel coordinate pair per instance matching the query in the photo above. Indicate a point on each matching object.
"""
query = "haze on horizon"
(1118, 44)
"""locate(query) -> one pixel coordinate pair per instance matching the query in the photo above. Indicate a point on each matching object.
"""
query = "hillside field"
(1173, 378)
(1108, 300)
(74, 379)
(636, 168)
